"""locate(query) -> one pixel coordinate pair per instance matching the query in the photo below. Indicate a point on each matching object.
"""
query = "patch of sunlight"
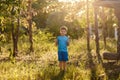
(72, 1)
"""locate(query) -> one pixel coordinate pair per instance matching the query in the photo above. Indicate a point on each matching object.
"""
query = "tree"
(30, 14)
(104, 17)
(15, 32)
(117, 12)
(11, 21)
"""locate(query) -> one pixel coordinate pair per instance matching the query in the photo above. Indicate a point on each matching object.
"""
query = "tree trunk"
(104, 35)
(97, 37)
(117, 12)
(30, 36)
(104, 28)
(15, 33)
(118, 42)
(88, 32)
(30, 26)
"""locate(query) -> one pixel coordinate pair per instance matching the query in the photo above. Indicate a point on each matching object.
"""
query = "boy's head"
(63, 30)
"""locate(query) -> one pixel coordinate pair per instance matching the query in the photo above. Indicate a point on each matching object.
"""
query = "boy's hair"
(64, 27)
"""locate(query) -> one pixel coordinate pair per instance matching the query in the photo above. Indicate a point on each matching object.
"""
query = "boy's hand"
(68, 37)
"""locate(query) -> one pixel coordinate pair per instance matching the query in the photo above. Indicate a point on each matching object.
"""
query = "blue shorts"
(62, 56)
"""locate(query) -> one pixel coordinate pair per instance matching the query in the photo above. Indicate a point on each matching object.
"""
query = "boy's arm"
(68, 42)
(56, 42)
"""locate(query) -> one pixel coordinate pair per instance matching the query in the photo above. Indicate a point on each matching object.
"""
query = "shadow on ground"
(59, 76)
(112, 70)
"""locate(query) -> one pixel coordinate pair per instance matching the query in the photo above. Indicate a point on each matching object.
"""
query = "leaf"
(3, 29)
(1, 17)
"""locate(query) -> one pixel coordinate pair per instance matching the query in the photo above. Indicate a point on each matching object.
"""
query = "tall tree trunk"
(117, 13)
(104, 27)
(30, 36)
(88, 38)
(97, 37)
(30, 25)
(104, 34)
(118, 42)
(15, 32)
(88, 32)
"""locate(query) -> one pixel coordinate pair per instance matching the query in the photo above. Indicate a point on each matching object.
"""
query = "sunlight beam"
(72, 1)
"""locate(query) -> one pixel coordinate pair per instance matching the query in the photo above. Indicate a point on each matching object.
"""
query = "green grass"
(32, 71)
(42, 64)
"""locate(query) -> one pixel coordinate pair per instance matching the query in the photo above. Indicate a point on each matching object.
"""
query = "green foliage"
(2, 38)
(43, 9)
(41, 42)
(56, 20)
(52, 14)
(40, 36)
(10, 10)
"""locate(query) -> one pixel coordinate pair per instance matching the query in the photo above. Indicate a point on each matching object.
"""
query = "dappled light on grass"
(43, 65)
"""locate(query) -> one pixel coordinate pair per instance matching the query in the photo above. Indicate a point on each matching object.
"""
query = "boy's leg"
(60, 59)
(60, 65)
(65, 58)
(64, 65)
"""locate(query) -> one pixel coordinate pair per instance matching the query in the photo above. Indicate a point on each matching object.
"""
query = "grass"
(42, 64)
(32, 71)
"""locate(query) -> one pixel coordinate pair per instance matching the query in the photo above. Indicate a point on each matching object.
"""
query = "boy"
(62, 42)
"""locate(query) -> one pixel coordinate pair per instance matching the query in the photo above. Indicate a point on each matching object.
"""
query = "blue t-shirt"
(62, 43)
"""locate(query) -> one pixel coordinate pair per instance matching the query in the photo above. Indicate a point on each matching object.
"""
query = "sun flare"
(72, 1)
